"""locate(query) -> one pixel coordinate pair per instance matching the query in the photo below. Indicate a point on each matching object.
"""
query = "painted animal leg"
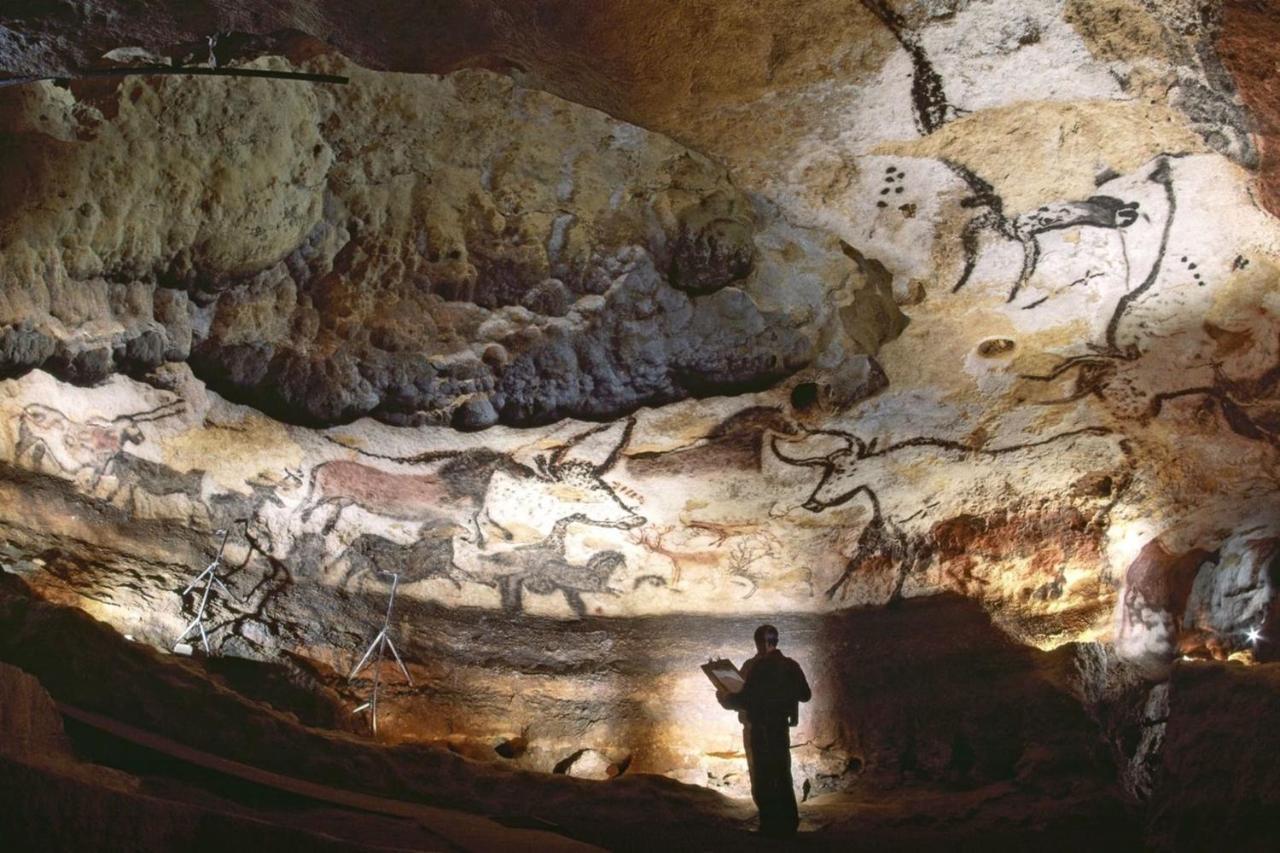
(576, 603)
(512, 589)
(336, 504)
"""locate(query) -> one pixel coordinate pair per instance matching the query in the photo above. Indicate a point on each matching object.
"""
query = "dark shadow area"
(964, 739)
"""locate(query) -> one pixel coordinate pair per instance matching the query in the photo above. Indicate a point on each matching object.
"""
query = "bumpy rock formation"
(701, 396)
(427, 251)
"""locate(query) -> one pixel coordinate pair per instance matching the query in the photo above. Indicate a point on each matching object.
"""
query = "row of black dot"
(1191, 267)
(892, 175)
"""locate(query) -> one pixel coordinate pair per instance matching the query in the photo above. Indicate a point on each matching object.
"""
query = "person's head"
(766, 638)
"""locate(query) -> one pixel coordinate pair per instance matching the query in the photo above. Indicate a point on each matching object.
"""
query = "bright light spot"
(1254, 635)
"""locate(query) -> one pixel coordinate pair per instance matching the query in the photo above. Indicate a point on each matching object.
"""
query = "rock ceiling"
(688, 308)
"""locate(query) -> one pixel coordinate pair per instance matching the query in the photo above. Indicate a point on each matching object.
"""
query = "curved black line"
(1160, 175)
(928, 97)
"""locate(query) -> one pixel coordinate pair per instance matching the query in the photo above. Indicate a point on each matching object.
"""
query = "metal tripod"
(210, 577)
(381, 643)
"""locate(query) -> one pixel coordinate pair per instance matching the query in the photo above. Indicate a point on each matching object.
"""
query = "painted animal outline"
(1095, 369)
(84, 451)
(1098, 211)
(429, 556)
(883, 541)
(543, 568)
(652, 538)
(460, 490)
(1250, 406)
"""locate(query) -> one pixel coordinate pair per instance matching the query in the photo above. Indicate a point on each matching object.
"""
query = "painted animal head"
(568, 482)
(570, 488)
(840, 479)
(43, 418)
(602, 567)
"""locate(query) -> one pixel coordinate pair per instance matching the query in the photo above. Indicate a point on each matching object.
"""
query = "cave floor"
(995, 817)
(359, 795)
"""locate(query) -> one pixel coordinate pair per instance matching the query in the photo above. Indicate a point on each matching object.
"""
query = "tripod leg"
(194, 583)
(369, 651)
(204, 638)
(403, 669)
(223, 587)
(377, 679)
(190, 625)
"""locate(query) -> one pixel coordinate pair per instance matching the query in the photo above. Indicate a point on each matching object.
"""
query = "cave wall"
(554, 363)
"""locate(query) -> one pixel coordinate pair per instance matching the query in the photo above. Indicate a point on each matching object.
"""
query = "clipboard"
(724, 675)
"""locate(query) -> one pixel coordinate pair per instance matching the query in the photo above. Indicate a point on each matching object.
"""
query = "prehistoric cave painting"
(1190, 268)
(720, 532)
(928, 97)
(1098, 211)
(82, 451)
(1157, 585)
(137, 476)
(466, 482)
(543, 568)
(893, 181)
(884, 544)
(745, 561)
(653, 538)
(748, 562)
(430, 556)
(734, 444)
(931, 111)
(1095, 369)
(1081, 281)
(1250, 406)
(881, 546)
(340, 483)
(259, 608)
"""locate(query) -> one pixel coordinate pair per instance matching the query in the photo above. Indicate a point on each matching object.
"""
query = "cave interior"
(401, 402)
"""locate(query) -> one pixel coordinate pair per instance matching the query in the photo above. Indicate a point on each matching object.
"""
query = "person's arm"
(803, 693)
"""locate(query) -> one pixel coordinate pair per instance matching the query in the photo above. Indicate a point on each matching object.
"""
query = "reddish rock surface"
(1249, 45)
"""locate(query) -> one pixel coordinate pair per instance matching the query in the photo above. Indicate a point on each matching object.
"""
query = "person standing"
(769, 705)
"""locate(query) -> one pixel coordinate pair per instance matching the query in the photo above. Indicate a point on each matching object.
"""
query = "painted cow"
(857, 465)
(83, 451)
(916, 487)
(469, 485)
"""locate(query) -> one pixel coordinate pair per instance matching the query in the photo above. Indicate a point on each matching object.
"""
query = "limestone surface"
(702, 396)
(424, 250)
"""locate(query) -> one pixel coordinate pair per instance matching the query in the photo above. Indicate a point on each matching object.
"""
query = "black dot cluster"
(1191, 268)
(893, 178)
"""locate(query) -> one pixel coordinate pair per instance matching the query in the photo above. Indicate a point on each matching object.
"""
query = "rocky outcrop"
(450, 251)
(1246, 42)
(29, 719)
(1217, 784)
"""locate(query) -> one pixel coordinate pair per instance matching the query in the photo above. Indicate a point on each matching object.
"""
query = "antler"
(164, 410)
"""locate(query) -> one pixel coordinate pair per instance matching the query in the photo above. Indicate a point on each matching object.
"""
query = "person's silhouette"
(768, 705)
